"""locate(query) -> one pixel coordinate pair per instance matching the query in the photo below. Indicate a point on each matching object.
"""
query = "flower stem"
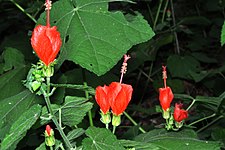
(193, 102)
(89, 112)
(20, 8)
(47, 100)
(114, 129)
(51, 148)
(203, 128)
(132, 120)
(197, 121)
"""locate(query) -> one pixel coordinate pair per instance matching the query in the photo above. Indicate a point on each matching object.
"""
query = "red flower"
(165, 97)
(179, 114)
(102, 99)
(119, 97)
(48, 130)
(46, 42)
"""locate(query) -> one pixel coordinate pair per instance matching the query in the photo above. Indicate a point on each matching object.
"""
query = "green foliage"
(13, 107)
(99, 139)
(185, 139)
(95, 38)
(19, 128)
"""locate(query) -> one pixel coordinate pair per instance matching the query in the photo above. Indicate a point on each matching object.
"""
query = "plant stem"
(114, 129)
(203, 128)
(132, 120)
(174, 24)
(51, 148)
(157, 14)
(193, 102)
(89, 112)
(164, 10)
(87, 97)
(47, 100)
(20, 8)
(197, 121)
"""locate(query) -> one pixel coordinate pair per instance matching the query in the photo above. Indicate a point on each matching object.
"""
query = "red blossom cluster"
(116, 95)
(165, 98)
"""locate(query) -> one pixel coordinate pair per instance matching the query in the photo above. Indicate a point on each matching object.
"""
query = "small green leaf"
(20, 127)
(74, 109)
(12, 58)
(100, 139)
(185, 139)
(93, 37)
(222, 38)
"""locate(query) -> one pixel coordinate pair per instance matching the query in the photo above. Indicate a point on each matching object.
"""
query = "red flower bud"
(48, 130)
(179, 114)
(102, 99)
(119, 97)
(165, 97)
(46, 42)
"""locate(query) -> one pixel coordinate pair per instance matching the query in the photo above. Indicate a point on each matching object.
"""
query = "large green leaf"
(11, 82)
(92, 36)
(20, 127)
(138, 145)
(11, 109)
(184, 139)
(101, 139)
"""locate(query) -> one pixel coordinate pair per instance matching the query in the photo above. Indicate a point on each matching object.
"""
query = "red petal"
(165, 97)
(102, 99)
(46, 42)
(179, 114)
(120, 101)
(48, 129)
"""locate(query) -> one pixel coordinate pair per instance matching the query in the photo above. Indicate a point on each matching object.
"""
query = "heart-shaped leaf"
(92, 36)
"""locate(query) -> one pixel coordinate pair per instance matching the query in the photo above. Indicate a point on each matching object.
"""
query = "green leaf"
(20, 127)
(74, 109)
(11, 82)
(92, 36)
(11, 109)
(100, 139)
(222, 38)
(75, 133)
(211, 103)
(12, 58)
(185, 139)
(138, 145)
(181, 67)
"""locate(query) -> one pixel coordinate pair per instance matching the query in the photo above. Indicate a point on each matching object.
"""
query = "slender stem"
(107, 126)
(203, 128)
(157, 14)
(89, 89)
(87, 97)
(51, 148)
(20, 8)
(197, 121)
(132, 120)
(60, 117)
(114, 129)
(164, 10)
(54, 119)
(193, 102)
(174, 24)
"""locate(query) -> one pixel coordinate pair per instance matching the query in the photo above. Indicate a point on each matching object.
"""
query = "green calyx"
(105, 118)
(166, 114)
(116, 120)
